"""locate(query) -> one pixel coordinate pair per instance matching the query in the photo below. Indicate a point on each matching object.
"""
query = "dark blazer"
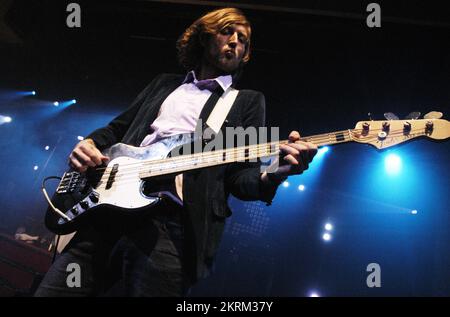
(205, 192)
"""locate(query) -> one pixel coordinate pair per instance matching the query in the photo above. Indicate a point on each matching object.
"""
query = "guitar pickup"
(112, 176)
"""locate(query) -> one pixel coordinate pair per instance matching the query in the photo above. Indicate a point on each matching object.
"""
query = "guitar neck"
(183, 163)
(329, 138)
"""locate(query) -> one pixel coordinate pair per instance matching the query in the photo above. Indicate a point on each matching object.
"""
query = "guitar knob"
(406, 127)
(429, 127)
(366, 127)
(386, 126)
(94, 198)
(382, 135)
(84, 204)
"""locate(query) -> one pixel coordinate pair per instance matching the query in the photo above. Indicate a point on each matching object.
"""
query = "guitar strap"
(221, 109)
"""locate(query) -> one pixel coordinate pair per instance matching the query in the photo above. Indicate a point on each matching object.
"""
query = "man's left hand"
(295, 157)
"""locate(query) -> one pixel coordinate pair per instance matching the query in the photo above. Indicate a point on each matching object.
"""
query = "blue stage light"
(5, 119)
(323, 149)
(392, 164)
(33, 92)
(301, 187)
(321, 152)
(328, 226)
(285, 184)
(64, 103)
(414, 212)
(47, 147)
(80, 138)
(326, 237)
(313, 294)
(35, 167)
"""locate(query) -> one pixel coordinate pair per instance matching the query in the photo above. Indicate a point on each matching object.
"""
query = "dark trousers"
(139, 257)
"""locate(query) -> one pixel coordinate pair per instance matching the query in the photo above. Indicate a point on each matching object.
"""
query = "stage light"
(301, 187)
(5, 119)
(323, 150)
(313, 294)
(328, 226)
(80, 138)
(27, 93)
(392, 164)
(64, 103)
(35, 167)
(326, 237)
(47, 147)
(414, 212)
(285, 184)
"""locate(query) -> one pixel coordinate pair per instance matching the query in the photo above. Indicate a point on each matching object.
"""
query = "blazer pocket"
(220, 208)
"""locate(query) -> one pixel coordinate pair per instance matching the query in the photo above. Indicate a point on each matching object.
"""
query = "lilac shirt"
(181, 109)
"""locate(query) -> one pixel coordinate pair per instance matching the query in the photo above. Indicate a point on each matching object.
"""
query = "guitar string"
(217, 159)
(216, 154)
(253, 154)
(316, 139)
(242, 156)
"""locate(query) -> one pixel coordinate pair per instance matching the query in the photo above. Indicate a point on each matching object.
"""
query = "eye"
(242, 39)
(226, 31)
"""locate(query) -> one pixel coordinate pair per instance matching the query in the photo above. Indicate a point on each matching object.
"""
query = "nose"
(233, 40)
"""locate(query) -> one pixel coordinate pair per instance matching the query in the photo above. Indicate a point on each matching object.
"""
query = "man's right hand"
(85, 155)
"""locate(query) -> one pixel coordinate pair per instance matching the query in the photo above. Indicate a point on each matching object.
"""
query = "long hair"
(190, 49)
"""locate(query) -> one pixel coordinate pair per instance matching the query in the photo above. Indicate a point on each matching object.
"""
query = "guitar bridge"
(69, 182)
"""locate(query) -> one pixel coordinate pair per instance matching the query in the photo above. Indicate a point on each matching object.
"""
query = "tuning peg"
(412, 116)
(370, 116)
(390, 116)
(433, 115)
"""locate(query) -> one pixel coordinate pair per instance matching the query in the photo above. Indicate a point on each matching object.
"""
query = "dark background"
(321, 69)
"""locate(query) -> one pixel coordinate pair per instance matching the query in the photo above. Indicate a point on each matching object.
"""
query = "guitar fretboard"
(249, 153)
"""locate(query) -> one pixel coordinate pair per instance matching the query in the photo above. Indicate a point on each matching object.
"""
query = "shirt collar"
(224, 81)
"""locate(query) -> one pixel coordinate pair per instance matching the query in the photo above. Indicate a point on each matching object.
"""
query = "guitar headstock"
(386, 133)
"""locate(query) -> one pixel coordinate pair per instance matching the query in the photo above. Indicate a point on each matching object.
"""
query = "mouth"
(229, 54)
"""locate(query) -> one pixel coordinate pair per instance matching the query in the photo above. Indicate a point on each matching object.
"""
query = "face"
(225, 50)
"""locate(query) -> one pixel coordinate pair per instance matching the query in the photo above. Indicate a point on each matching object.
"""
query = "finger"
(94, 154)
(299, 146)
(300, 151)
(74, 163)
(295, 166)
(105, 158)
(294, 136)
(71, 164)
(309, 148)
(83, 158)
(98, 157)
(290, 149)
(291, 160)
(304, 154)
(300, 161)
